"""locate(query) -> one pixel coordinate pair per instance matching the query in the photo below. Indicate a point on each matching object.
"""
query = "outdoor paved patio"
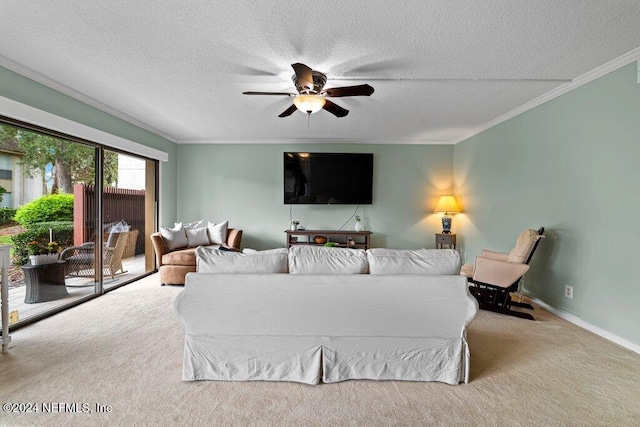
(77, 287)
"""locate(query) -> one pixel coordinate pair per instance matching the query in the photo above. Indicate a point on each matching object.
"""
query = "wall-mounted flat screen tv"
(328, 178)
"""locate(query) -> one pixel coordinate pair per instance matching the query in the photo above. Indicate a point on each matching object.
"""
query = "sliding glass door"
(76, 216)
(38, 215)
(128, 211)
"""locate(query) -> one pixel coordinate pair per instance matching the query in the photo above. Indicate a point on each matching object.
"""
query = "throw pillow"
(197, 236)
(188, 225)
(217, 232)
(175, 238)
(118, 225)
(116, 228)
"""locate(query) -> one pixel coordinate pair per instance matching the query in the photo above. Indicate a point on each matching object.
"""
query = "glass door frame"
(99, 289)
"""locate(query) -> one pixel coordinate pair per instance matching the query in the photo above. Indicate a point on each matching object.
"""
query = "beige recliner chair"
(494, 276)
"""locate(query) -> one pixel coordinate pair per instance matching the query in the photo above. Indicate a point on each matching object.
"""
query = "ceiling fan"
(311, 96)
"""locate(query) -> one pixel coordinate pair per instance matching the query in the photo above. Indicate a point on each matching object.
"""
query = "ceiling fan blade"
(289, 111)
(334, 109)
(359, 90)
(269, 93)
(304, 75)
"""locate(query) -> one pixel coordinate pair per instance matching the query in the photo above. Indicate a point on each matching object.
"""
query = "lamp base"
(446, 224)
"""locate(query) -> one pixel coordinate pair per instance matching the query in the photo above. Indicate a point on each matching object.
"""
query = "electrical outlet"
(568, 291)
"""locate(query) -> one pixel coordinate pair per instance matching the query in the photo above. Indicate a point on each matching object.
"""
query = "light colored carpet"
(125, 350)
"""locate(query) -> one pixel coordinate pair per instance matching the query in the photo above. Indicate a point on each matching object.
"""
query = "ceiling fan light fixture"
(309, 104)
(310, 99)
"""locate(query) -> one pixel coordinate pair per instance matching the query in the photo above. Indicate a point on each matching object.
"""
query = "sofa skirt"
(311, 360)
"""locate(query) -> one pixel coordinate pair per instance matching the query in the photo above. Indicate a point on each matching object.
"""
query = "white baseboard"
(579, 322)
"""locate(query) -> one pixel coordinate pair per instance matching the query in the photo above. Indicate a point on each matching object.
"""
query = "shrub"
(54, 207)
(6, 215)
(62, 234)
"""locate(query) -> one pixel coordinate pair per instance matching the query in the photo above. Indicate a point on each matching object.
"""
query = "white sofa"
(338, 314)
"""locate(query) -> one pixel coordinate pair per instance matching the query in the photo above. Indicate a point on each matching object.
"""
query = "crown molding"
(607, 68)
(320, 140)
(57, 86)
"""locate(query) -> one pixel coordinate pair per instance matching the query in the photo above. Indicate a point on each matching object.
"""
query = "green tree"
(73, 163)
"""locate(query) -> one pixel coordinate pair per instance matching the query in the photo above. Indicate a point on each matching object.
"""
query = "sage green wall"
(570, 165)
(29, 92)
(244, 183)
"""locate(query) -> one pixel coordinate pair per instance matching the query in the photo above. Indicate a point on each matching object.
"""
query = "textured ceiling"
(440, 69)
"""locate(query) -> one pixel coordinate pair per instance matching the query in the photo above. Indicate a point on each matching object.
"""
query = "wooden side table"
(443, 239)
(44, 282)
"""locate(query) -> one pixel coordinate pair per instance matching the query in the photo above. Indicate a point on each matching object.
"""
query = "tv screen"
(328, 178)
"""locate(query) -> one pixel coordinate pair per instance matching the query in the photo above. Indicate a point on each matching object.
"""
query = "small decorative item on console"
(358, 226)
(321, 240)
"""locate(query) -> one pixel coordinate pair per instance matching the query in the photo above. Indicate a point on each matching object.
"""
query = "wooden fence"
(118, 204)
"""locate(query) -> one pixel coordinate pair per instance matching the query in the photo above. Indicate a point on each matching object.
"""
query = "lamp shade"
(447, 204)
(309, 104)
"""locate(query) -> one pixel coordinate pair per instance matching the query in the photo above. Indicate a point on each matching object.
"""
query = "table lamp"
(446, 205)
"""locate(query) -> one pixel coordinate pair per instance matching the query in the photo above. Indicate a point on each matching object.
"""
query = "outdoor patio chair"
(81, 259)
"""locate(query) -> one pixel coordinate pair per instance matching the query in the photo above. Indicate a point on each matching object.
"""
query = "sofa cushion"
(326, 260)
(524, 245)
(185, 256)
(181, 257)
(217, 232)
(197, 236)
(175, 238)
(467, 270)
(271, 261)
(420, 261)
